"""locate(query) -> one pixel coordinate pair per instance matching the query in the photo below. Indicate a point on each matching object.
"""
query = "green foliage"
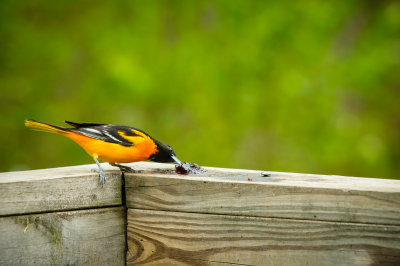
(303, 87)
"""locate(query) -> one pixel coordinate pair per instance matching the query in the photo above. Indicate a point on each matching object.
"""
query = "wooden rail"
(63, 216)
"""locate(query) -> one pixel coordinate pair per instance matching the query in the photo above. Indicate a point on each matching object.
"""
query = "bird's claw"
(127, 169)
(102, 178)
(102, 174)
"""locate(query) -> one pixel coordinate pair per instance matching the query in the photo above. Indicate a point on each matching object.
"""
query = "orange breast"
(115, 153)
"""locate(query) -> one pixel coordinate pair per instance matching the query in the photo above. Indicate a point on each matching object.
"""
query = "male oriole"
(112, 143)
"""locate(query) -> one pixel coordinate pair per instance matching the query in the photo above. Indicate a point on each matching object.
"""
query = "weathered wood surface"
(61, 216)
(281, 195)
(177, 238)
(86, 237)
(56, 189)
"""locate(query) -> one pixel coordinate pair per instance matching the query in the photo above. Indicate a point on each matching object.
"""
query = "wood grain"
(247, 193)
(175, 238)
(57, 189)
(86, 237)
(222, 216)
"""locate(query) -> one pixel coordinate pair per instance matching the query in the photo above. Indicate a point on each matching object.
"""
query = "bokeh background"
(310, 86)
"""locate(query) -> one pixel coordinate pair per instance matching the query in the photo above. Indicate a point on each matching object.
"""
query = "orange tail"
(40, 126)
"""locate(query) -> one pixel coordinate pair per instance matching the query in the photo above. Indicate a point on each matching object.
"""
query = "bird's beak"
(176, 160)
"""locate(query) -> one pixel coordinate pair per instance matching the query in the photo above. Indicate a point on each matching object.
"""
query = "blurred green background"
(311, 86)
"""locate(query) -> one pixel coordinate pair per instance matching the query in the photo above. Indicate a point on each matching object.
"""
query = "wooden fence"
(63, 216)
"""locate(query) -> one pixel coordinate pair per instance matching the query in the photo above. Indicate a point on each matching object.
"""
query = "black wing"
(105, 132)
(79, 125)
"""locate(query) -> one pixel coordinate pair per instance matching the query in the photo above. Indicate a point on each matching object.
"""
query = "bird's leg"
(124, 168)
(102, 174)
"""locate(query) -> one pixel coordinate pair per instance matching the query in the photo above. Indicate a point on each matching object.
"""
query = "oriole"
(112, 143)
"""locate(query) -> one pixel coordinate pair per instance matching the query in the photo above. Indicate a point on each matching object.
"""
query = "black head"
(165, 154)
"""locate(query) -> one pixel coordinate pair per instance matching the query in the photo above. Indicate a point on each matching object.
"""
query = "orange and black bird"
(112, 143)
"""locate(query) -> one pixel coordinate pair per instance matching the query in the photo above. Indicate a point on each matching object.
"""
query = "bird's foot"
(102, 178)
(127, 169)
(100, 171)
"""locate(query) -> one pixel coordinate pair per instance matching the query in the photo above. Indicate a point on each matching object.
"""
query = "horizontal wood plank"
(176, 238)
(56, 189)
(280, 195)
(86, 237)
